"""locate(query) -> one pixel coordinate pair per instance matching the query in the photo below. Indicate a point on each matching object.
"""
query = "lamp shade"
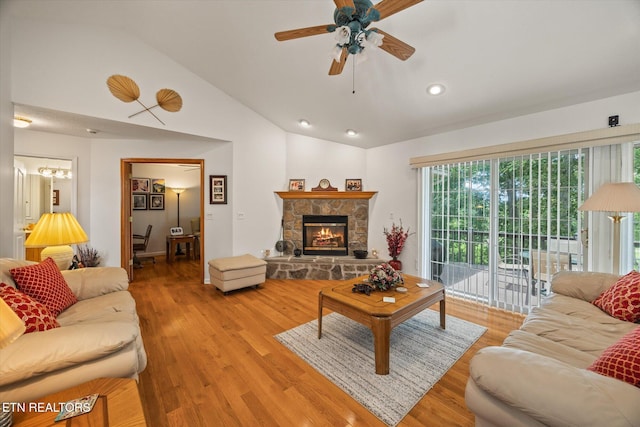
(178, 190)
(614, 197)
(11, 326)
(55, 229)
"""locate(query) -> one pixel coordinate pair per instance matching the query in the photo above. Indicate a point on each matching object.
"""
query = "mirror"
(48, 186)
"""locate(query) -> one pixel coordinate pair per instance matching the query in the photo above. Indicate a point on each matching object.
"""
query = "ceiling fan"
(352, 17)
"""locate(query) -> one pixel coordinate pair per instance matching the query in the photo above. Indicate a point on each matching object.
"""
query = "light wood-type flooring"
(213, 361)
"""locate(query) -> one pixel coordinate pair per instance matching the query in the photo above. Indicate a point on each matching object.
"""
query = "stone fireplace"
(354, 206)
(328, 208)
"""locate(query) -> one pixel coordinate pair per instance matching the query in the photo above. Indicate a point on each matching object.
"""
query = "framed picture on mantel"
(296, 185)
(353, 185)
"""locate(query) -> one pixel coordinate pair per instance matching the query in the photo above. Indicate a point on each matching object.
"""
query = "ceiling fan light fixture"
(352, 133)
(436, 89)
(21, 122)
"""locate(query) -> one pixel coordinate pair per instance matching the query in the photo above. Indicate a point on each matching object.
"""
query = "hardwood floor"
(213, 361)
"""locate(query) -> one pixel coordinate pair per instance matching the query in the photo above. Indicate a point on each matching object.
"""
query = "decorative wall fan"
(352, 17)
(126, 90)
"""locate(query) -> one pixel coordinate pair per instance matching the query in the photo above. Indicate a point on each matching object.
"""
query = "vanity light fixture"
(304, 123)
(435, 89)
(351, 132)
(21, 122)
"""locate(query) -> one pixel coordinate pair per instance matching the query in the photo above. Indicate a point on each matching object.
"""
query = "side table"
(172, 241)
(119, 405)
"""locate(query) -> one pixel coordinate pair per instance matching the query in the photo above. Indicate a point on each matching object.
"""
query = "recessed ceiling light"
(435, 89)
(304, 123)
(21, 122)
(351, 132)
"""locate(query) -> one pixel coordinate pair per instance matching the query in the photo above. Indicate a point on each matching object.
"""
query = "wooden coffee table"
(119, 405)
(381, 317)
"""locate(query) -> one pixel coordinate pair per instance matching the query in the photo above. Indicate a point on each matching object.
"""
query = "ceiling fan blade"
(303, 32)
(336, 67)
(340, 4)
(394, 46)
(388, 7)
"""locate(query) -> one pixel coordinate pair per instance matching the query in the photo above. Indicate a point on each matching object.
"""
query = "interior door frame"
(126, 210)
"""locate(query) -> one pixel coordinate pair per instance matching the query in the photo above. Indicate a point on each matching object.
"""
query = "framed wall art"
(156, 202)
(158, 186)
(353, 185)
(140, 185)
(56, 198)
(217, 189)
(296, 185)
(139, 202)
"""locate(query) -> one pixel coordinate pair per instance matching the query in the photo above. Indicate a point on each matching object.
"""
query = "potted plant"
(396, 238)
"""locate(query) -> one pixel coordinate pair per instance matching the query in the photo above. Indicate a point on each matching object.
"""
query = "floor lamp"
(178, 191)
(617, 198)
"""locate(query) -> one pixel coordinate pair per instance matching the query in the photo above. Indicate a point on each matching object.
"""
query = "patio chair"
(544, 264)
(514, 273)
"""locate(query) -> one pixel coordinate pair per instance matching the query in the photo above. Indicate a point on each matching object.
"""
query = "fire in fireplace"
(325, 235)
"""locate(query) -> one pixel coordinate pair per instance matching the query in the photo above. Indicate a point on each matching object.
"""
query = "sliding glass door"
(504, 226)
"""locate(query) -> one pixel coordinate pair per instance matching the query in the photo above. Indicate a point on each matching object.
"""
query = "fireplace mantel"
(326, 194)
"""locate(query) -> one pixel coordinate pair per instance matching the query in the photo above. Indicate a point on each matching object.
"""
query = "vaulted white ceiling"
(497, 59)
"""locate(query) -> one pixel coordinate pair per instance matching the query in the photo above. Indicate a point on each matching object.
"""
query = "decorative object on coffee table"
(396, 238)
(384, 277)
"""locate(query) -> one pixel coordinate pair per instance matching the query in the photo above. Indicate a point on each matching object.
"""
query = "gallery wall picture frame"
(158, 185)
(354, 184)
(56, 198)
(156, 202)
(140, 185)
(139, 202)
(296, 185)
(217, 189)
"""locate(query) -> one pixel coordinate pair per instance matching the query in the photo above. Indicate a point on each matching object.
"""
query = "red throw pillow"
(622, 300)
(621, 360)
(36, 316)
(44, 283)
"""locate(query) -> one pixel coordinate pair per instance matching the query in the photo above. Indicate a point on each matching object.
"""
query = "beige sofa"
(539, 377)
(99, 336)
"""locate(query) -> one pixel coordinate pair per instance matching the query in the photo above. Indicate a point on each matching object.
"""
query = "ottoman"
(228, 274)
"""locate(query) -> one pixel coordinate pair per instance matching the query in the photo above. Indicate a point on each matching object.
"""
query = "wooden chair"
(142, 247)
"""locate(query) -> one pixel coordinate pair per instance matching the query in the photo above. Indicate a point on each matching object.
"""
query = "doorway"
(126, 220)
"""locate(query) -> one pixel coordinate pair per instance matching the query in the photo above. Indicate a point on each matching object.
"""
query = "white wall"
(389, 171)
(74, 82)
(313, 159)
(8, 228)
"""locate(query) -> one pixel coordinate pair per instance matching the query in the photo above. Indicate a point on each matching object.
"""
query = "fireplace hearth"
(325, 235)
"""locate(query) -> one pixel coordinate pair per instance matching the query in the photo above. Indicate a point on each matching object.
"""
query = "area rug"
(420, 354)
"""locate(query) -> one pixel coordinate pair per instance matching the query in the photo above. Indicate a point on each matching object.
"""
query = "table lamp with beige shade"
(11, 328)
(55, 232)
(616, 198)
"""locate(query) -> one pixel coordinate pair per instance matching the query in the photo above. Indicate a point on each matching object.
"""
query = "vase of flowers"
(384, 277)
(396, 238)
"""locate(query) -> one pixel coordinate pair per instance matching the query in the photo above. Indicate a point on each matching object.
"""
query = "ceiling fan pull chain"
(353, 78)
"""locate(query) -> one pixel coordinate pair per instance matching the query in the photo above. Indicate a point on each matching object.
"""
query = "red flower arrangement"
(396, 237)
